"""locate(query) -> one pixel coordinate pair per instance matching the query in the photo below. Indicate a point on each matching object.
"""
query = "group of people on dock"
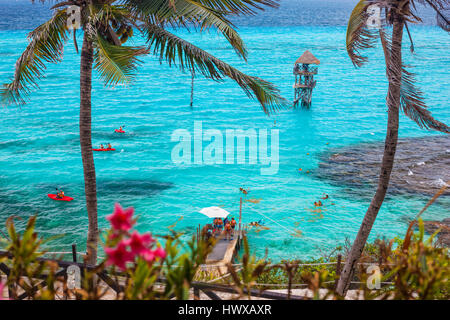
(229, 225)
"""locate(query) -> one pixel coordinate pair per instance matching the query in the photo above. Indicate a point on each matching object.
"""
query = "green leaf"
(188, 13)
(46, 45)
(116, 64)
(175, 51)
(359, 37)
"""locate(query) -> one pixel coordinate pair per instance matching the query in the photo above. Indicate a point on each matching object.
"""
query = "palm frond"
(116, 64)
(187, 14)
(359, 36)
(240, 7)
(412, 101)
(109, 19)
(106, 12)
(442, 8)
(211, 18)
(46, 45)
(177, 51)
(443, 19)
(413, 105)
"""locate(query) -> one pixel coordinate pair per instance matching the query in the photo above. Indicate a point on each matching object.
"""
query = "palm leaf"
(359, 37)
(441, 7)
(412, 101)
(186, 13)
(116, 64)
(46, 45)
(175, 51)
(238, 7)
(443, 19)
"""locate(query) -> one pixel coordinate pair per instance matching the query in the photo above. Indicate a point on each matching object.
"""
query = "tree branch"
(113, 35)
(410, 38)
(75, 39)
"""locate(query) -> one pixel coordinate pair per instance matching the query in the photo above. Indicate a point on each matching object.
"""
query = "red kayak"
(109, 149)
(54, 197)
(119, 131)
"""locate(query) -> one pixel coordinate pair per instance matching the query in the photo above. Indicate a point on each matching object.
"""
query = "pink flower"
(138, 243)
(151, 255)
(160, 252)
(121, 219)
(148, 255)
(119, 256)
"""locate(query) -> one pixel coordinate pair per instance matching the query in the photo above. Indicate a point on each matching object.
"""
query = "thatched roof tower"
(307, 58)
(304, 78)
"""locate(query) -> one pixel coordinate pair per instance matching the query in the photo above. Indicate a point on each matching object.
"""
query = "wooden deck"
(223, 253)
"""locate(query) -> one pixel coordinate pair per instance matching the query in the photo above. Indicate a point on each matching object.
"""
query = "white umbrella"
(214, 212)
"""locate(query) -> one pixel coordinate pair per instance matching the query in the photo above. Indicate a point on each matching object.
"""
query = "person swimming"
(325, 196)
(244, 191)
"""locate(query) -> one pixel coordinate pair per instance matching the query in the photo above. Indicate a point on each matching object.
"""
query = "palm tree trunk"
(90, 187)
(394, 72)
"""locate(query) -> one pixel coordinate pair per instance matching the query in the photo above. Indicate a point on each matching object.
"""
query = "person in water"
(325, 196)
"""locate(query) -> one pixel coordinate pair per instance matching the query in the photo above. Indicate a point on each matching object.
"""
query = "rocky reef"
(422, 165)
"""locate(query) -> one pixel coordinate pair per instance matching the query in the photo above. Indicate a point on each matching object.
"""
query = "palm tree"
(402, 94)
(107, 25)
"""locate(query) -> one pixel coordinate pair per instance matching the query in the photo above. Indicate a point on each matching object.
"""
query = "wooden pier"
(224, 250)
(222, 254)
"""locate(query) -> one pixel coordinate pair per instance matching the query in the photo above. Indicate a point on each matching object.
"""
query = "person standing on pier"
(220, 225)
(233, 226)
(228, 230)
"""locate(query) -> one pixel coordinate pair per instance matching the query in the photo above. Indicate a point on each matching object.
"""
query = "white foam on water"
(420, 163)
(440, 183)
(410, 173)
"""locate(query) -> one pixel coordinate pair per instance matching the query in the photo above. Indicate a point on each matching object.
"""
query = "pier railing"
(209, 288)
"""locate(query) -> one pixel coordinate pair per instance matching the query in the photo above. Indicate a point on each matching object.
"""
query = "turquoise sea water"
(39, 142)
